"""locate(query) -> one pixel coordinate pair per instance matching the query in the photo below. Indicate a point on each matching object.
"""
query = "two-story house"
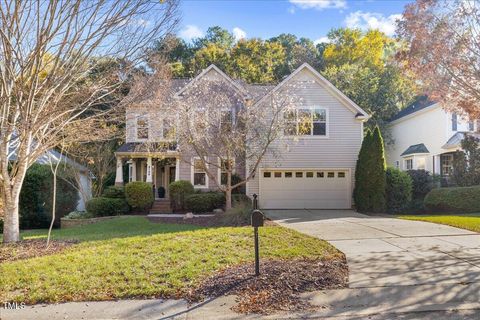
(426, 136)
(314, 170)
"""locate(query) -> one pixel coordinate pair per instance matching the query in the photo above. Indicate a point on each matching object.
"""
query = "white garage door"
(305, 189)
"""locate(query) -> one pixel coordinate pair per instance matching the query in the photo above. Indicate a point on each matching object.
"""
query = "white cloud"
(321, 40)
(320, 4)
(191, 32)
(371, 20)
(239, 33)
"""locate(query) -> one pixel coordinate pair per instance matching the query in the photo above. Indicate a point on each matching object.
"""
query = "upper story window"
(226, 121)
(454, 122)
(142, 127)
(306, 122)
(471, 125)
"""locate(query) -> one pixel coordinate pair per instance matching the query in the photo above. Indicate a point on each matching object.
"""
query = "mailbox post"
(257, 221)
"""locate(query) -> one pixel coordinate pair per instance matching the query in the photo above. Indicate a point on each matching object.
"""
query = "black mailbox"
(257, 218)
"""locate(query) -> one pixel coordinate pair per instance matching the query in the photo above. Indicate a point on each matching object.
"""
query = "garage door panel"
(319, 189)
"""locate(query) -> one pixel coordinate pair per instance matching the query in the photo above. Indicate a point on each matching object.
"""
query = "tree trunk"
(228, 192)
(11, 225)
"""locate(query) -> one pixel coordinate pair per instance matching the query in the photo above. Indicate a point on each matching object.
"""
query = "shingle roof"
(421, 103)
(455, 141)
(416, 148)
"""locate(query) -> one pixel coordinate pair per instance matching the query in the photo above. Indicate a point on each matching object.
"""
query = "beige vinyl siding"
(338, 150)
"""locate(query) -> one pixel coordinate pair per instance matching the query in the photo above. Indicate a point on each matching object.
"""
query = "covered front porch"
(159, 168)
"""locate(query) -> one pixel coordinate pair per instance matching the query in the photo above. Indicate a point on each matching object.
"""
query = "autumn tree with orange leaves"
(443, 50)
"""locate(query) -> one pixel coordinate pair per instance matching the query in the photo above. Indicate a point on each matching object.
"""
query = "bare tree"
(223, 129)
(48, 49)
(443, 50)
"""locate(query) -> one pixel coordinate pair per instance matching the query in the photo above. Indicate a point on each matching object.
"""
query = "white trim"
(192, 172)
(352, 106)
(235, 85)
(312, 136)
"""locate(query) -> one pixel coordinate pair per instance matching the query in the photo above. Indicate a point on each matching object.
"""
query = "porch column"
(149, 170)
(134, 170)
(119, 174)
(177, 169)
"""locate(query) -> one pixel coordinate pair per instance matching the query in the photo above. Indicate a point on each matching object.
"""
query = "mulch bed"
(31, 248)
(278, 286)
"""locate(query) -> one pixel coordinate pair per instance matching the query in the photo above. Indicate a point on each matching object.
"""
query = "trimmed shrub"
(78, 215)
(36, 197)
(204, 202)
(139, 195)
(178, 190)
(101, 207)
(114, 192)
(398, 190)
(459, 199)
(370, 179)
(422, 182)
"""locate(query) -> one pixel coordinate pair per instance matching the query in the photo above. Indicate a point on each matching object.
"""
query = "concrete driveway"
(395, 265)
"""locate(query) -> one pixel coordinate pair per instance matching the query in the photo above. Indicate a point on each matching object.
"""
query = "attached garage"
(305, 189)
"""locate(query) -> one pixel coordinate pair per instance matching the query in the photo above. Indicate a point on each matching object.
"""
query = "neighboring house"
(426, 136)
(83, 176)
(313, 170)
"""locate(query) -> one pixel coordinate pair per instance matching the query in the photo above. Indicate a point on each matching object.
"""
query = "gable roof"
(204, 72)
(359, 112)
(421, 103)
(415, 149)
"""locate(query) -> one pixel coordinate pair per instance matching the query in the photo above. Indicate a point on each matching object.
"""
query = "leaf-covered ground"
(132, 257)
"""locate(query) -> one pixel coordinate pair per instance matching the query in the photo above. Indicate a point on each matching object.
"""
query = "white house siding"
(431, 126)
(337, 151)
(86, 191)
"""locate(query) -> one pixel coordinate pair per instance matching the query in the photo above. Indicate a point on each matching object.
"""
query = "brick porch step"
(161, 206)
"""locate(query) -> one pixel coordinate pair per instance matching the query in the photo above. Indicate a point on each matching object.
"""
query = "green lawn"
(131, 257)
(464, 221)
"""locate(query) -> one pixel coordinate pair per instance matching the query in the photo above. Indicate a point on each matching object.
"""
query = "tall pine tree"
(360, 194)
(370, 174)
(377, 178)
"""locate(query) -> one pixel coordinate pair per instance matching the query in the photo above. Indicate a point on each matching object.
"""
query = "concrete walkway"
(395, 265)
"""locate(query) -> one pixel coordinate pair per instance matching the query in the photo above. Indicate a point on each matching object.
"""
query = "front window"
(306, 122)
(421, 163)
(447, 164)
(471, 125)
(454, 122)
(224, 168)
(142, 127)
(199, 174)
(409, 164)
(226, 121)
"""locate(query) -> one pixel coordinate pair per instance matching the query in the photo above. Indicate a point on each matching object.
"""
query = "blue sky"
(304, 18)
